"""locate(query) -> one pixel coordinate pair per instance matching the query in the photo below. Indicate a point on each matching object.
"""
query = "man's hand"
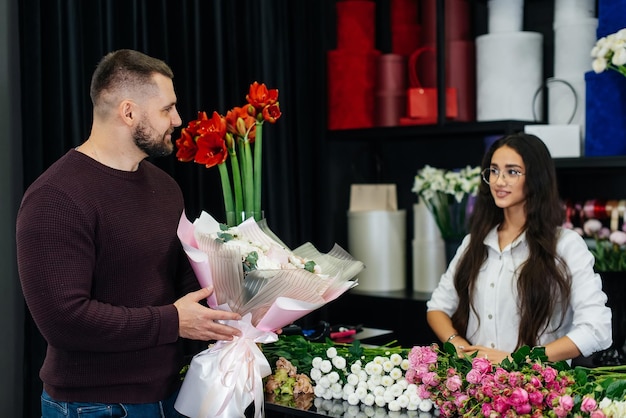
(197, 322)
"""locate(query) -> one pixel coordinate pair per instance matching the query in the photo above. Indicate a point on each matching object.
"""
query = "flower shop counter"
(311, 406)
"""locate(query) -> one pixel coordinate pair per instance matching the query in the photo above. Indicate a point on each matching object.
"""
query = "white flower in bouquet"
(446, 193)
(609, 53)
(256, 255)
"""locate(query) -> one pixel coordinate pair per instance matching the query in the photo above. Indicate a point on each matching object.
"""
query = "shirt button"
(490, 316)
(492, 284)
(493, 345)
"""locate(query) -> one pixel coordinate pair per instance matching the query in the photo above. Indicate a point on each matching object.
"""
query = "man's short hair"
(125, 70)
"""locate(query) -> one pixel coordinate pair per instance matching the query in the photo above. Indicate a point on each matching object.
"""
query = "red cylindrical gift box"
(457, 15)
(391, 82)
(356, 24)
(405, 38)
(391, 73)
(351, 84)
(389, 108)
(461, 74)
(404, 12)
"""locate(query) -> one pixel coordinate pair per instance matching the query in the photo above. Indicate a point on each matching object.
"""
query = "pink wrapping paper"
(288, 295)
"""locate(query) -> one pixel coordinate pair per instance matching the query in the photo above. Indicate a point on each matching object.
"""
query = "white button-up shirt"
(587, 321)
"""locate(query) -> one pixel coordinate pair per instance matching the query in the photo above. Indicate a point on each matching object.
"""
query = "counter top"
(311, 406)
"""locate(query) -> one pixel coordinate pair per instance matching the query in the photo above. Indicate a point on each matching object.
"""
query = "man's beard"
(150, 142)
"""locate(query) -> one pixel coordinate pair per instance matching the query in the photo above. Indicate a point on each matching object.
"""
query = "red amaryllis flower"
(271, 113)
(260, 96)
(237, 137)
(240, 123)
(186, 147)
(211, 149)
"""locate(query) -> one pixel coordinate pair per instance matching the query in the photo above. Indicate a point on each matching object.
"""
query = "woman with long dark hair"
(518, 278)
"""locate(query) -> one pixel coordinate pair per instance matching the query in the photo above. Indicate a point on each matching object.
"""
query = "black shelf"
(413, 132)
(591, 162)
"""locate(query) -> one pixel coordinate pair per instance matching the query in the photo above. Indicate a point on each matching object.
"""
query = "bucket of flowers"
(609, 250)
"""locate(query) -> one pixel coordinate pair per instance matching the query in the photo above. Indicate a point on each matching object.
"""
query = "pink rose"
(535, 398)
(536, 382)
(618, 237)
(549, 374)
(500, 404)
(430, 379)
(597, 414)
(589, 404)
(474, 376)
(566, 402)
(592, 227)
(453, 383)
(560, 412)
(481, 364)
(423, 392)
(486, 409)
(518, 396)
(420, 355)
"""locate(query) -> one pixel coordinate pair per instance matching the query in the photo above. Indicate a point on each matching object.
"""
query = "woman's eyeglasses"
(510, 175)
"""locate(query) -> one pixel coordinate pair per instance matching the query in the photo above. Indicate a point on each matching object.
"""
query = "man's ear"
(127, 111)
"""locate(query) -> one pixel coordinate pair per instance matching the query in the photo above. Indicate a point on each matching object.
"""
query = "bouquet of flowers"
(609, 53)
(447, 195)
(610, 247)
(238, 136)
(254, 274)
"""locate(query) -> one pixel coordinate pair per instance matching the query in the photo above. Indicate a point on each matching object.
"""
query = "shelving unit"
(394, 154)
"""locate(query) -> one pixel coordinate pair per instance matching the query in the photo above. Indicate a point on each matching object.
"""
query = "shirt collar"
(491, 240)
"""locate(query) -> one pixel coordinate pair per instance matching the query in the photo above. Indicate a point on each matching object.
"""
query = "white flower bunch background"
(378, 383)
(429, 181)
(609, 52)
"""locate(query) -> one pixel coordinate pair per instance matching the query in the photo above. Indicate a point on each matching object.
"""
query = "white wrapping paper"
(509, 70)
(224, 379)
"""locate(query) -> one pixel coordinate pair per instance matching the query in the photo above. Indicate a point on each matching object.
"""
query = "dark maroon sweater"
(100, 266)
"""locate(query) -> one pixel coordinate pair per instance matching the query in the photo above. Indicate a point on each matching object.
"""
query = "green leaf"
(616, 389)
(309, 266)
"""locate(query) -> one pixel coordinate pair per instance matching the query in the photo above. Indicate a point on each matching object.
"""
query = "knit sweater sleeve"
(56, 261)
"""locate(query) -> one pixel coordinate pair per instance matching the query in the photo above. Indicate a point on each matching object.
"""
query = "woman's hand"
(493, 355)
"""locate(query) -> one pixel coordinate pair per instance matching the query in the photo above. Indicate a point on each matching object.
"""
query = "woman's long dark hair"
(544, 282)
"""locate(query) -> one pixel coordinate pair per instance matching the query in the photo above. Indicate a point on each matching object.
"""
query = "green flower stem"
(228, 194)
(234, 163)
(248, 180)
(258, 153)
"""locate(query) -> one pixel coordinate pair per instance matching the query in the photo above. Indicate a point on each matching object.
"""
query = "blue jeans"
(55, 409)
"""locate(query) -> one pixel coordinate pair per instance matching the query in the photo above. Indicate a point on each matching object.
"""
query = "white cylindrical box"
(509, 71)
(505, 15)
(572, 45)
(378, 239)
(429, 252)
(573, 10)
